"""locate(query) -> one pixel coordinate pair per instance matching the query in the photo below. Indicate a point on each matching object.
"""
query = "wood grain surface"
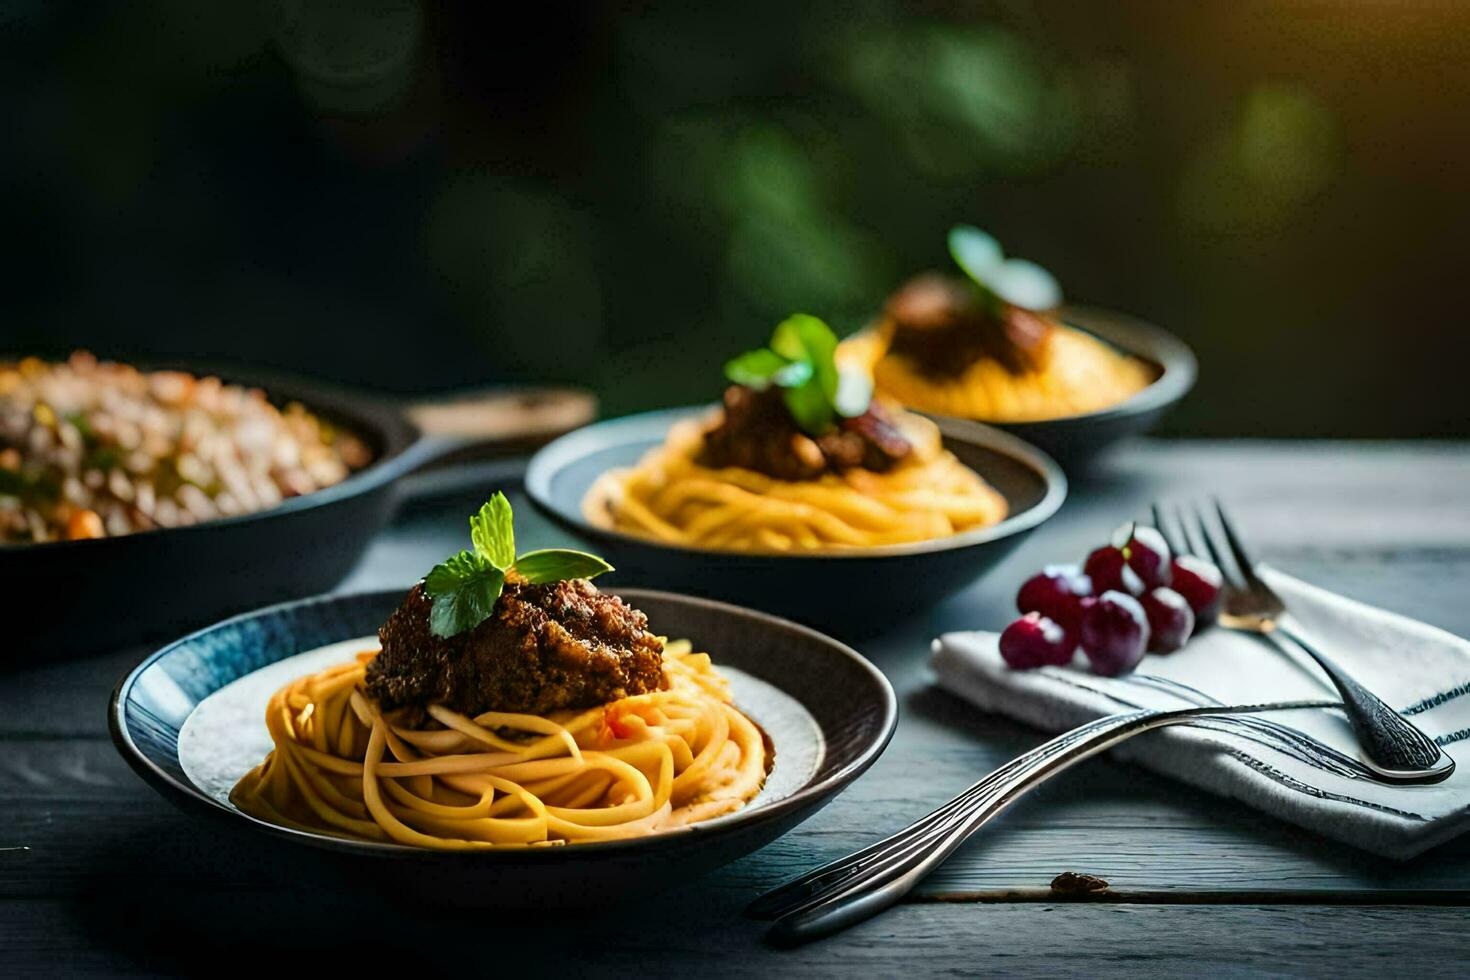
(97, 874)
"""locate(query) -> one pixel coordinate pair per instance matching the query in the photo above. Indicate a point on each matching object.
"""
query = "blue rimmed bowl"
(827, 712)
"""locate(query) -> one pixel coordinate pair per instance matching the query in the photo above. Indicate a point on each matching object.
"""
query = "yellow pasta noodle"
(1082, 374)
(669, 496)
(643, 764)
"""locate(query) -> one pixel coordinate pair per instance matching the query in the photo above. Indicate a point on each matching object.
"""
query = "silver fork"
(861, 885)
(1393, 748)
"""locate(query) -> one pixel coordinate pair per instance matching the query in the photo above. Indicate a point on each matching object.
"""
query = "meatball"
(558, 645)
(757, 433)
(943, 325)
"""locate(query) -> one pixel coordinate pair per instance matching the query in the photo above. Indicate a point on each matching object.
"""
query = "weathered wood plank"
(693, 934)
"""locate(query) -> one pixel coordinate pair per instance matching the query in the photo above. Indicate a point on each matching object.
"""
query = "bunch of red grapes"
(1129, 597)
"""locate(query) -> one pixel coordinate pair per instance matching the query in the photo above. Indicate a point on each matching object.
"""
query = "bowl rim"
(556, 455)
(189, 796)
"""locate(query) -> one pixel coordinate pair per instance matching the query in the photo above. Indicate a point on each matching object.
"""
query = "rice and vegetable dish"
(92, 449)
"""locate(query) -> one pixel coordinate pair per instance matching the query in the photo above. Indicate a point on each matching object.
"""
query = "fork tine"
(1198, 544)
(1218, 550)
(1237, 550)
(1173, 536)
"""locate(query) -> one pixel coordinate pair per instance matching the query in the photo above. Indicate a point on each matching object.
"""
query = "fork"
(851, 889)
(1393, 748)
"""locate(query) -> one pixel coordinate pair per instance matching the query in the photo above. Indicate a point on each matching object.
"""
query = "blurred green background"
(412, 196)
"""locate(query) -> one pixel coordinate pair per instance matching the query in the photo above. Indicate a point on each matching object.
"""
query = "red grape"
(1114, 633)
(1200, 583)
(1108, 569)
(1035, 641)
(1056, 592)
(1147, 551)
(1170, 620)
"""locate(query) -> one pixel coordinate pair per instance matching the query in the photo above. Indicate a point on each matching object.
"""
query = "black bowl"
(1076, 441)
(828, 712)
(848, 591)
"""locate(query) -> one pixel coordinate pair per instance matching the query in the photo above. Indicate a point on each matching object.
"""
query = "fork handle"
(851, 905)
(1395, 748)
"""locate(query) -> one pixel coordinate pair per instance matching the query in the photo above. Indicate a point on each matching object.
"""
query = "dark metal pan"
(73, 598)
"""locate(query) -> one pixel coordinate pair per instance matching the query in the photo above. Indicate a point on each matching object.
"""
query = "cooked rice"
(94, 449)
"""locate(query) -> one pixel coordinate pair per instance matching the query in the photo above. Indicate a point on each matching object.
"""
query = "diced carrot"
(84, 524)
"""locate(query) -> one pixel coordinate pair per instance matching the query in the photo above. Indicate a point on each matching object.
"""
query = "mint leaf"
(1025, 284)
(755, 368)
(793, 375)
(810, 408)
(1015, 281)
(454, 571)
(558, 564)
(802, 361)
(801, 337)
(763, 367)
(804, 339)
(975, 252)
(464, 590)
(493, 533)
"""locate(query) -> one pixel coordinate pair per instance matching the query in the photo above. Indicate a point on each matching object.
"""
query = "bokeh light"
(406, 196)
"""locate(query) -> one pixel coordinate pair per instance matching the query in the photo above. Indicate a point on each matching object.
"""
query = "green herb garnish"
(464, 588)
(801, 361)
(1015, 281)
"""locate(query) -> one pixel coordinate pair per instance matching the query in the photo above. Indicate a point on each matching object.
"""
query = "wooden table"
(100, 874)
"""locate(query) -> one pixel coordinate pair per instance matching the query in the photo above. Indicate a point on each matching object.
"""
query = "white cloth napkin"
(1317, 783)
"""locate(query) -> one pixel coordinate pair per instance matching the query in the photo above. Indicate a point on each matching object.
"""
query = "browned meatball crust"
(942, 326)
(559, 645)
(757, 432)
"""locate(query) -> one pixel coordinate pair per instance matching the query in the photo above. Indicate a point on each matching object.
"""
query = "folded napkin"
(1316, 782)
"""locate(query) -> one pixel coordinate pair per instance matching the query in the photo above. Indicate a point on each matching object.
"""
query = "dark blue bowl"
(828, 712)
(850, 591)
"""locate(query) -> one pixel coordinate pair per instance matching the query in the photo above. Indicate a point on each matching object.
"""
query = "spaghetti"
(1081, 374)
(639, 765)
(671, 497)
